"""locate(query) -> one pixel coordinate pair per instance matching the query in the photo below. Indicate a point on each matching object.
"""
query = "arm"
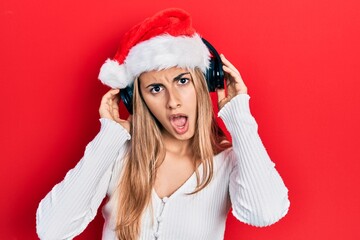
(72, 204)
(257, 192)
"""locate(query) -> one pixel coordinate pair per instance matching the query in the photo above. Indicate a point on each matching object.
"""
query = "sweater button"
(159, 219)
(156, 235)
(165, 199)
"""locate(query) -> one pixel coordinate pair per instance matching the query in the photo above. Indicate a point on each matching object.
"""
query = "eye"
(183, 81)
(156, 89)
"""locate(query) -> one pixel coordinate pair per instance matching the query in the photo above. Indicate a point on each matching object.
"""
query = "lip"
(179, 130)
(177, 115)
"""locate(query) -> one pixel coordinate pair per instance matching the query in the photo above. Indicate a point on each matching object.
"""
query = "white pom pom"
(114, 75)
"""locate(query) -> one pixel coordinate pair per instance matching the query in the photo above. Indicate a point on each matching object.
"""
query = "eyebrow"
(178, 77)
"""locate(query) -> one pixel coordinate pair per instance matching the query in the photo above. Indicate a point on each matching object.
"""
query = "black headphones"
(214, 76)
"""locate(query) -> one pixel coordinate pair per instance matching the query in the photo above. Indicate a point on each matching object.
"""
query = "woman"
(168, 170)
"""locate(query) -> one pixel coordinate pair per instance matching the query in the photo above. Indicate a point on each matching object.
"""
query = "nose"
(174, 99)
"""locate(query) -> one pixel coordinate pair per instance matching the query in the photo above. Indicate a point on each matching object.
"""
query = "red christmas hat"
(163, 41)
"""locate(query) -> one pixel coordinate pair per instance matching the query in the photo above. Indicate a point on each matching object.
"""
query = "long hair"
(140, 167)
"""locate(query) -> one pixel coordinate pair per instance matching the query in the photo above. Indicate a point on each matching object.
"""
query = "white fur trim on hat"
(114, 75)
(157, 53)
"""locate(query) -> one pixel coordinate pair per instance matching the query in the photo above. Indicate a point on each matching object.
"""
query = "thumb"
(220, 94)
(221, 97)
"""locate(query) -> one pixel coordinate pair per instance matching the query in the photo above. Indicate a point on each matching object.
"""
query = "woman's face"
(170, 96)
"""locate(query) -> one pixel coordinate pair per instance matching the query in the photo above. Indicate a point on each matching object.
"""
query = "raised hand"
(234, 83)
(109, 108)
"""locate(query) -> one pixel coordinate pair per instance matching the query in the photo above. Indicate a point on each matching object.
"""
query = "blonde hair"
(140, 167)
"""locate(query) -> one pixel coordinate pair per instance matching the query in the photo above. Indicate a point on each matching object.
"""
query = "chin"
(182, 137)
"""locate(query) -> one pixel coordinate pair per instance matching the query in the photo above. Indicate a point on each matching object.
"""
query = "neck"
(176, 146)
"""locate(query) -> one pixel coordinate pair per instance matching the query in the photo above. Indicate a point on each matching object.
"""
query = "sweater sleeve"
(257, 192)
(69, 207)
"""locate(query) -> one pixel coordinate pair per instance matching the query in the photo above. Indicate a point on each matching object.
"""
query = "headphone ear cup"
(210, 75)
(219, 75)
(126, 96)
(214, 75)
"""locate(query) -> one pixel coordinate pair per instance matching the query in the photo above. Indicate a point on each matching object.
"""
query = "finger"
(107, 104)
(235, 84)
(220, 94)
(115, 113)
(114, 91)
(111, 94)
(235, 75)
(228, 63)
(233, 72)
(222, 103)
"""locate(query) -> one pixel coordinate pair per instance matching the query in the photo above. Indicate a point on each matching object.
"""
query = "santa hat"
(163, 41)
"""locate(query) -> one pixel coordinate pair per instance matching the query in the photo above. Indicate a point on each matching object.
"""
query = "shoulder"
(224, 159)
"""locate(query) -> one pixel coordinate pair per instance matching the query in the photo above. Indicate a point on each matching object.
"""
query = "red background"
(299, 59)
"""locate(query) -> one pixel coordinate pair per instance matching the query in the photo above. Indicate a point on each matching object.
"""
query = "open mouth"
(180, 123)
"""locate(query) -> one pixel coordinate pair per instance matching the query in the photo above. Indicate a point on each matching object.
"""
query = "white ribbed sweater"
(244, 179)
